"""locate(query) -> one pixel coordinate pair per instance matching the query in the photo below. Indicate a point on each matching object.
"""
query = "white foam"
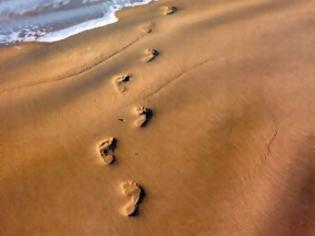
(79, 28)
(31, 33)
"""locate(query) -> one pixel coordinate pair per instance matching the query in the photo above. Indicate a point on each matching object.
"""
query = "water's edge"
(14, 32)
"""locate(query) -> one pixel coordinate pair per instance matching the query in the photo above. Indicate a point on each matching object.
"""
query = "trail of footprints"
(106, 148)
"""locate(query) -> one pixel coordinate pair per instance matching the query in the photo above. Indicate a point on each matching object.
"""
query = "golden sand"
(229, 149)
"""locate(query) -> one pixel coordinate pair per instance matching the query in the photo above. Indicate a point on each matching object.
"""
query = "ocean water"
(54, 20)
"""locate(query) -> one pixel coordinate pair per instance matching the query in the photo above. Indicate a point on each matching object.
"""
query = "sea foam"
(54, 20)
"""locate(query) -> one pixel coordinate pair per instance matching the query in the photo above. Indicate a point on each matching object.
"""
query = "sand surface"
(227, 150)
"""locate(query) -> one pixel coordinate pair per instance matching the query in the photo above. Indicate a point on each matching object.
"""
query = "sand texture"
(184, 118)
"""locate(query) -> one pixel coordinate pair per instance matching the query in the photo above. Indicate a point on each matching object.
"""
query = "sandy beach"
(196, 122)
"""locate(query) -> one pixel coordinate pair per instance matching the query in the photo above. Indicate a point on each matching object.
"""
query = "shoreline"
(61, 34)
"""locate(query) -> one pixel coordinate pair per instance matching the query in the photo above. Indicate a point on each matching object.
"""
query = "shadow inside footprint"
(142, 196)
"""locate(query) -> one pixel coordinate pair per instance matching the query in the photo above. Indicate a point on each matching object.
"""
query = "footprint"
(120, 82)
(144, 115)
(147, 28)
(150, 54)
(134, 192)
(168, 10)
(106, 150)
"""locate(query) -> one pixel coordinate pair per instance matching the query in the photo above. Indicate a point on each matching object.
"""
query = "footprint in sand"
(147, 28)
(106, 150)
(168, 10)
(150, 54)
(144, 115)
(120, 82)
(134, 192)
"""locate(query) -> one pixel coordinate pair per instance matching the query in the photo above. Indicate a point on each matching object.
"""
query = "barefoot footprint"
(144, 115)
(146, 28)
(150, 54)
(106, 150)
(168, 10)
(132, 190)
(120, 82)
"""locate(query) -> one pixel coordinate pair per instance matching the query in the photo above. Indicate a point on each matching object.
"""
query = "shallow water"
(53, 20)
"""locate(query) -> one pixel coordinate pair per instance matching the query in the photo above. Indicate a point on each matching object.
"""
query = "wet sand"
(214, 135)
